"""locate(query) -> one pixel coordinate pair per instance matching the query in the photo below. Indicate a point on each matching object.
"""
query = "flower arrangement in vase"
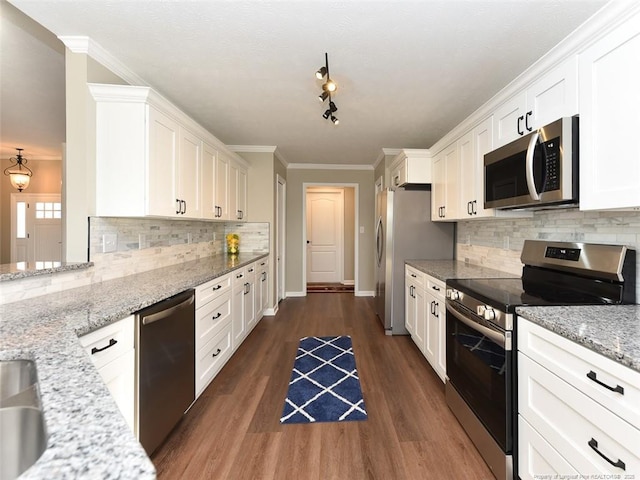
(233, 243)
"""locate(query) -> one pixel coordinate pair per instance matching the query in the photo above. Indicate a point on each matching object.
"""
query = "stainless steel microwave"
(539, 169)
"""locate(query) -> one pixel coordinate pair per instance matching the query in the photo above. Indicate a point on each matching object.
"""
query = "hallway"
(233, 430)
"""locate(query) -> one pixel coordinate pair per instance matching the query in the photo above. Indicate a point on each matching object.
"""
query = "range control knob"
(489, 313)
(453, 294)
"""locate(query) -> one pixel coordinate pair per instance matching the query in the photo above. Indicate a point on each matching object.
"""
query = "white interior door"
(36, 228)
(325, 225)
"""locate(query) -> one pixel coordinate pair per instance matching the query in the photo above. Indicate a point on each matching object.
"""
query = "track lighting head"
(327, 113)
(321, 73)
(329, 86)
(332, 106)
(335, 120)
(323, 96)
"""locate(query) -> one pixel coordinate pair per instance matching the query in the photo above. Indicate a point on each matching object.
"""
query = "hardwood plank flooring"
(233, 431)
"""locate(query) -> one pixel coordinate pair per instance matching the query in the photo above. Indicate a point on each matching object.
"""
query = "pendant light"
(19, 174)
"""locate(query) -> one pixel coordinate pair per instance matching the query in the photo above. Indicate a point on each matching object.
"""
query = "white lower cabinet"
(213, 329)
(112, 351)
(243, 304)
(262, 288)
(577, 410)
(425, 317)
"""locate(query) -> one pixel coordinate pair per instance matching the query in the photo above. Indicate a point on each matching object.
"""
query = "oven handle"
(495, 335)
(529, 166)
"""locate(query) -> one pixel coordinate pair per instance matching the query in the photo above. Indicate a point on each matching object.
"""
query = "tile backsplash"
(496, 243)
(140, 244)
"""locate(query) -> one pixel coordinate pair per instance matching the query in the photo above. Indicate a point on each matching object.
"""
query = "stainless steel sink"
(23, 435)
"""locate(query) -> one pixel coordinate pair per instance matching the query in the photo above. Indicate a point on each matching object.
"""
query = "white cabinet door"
(438, 187)
(233, 191)
(190, 174)
(549, 98)
(431, 335)
(609, 120)
(119, 376)
(162, 174)
(468, 175)
(250, 298)
(209, 157)
(222, 179)
(441, 356)
(509, 120)
(238, 325)
(420, 332)
(241, 193)
(444, 202)
(553, 96)
(410, 307)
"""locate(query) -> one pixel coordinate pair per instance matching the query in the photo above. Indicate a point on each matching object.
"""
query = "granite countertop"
(14, 271)
(611, 330)
(446, 269)
(88, 437)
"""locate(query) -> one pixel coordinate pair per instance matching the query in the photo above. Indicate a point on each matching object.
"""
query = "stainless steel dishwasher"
(165, 360)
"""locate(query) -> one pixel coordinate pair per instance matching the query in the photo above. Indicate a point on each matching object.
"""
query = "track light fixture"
(328, 87)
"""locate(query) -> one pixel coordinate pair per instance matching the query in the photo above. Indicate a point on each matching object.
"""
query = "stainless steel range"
(481, 324)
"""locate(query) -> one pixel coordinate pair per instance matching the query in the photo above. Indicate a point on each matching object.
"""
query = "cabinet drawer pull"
(520, 131)
(414, 276)
(112, 342)
(216, 316)
(437, 289)
(217, 287)
(240, 275)
(592, 376)
(178, 206)
(526, 121)
(594, 446)
(217, 353)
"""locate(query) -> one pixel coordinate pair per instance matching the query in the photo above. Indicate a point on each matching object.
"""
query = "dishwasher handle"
(154, 317)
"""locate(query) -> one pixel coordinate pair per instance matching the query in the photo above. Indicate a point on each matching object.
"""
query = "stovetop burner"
(559, 273)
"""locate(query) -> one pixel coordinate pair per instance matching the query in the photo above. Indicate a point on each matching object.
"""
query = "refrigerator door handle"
(379, 240)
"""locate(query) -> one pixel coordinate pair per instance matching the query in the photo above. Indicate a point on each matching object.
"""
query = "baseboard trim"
(296, 294)
(365, 293)
(270, 312)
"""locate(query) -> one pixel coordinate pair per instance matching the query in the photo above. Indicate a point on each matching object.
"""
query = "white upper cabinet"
(445, 188)
(190, 175)
(162, 168)
(222, 181)
(208, 181)
(610, 120)
(241, 193)
(152, 160)
(548, 98)
(411, 166)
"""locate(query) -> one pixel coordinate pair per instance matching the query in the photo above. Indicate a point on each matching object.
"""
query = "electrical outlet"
(109, 242)
(142, 241)
(361, 229)
(189, 238)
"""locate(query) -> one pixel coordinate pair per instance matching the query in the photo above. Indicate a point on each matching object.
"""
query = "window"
(48, 210)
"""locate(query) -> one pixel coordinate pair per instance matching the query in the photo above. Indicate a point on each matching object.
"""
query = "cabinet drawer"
(570, 421)
(211, 358)
(536, 458)
(239, 277)
(573, 362)
(416, 275)
(212, 318)
(262, 265)
(210, 290)
(436, 288)
(109, 342)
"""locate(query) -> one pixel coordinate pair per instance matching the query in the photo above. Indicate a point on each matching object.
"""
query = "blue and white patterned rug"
(324, 385)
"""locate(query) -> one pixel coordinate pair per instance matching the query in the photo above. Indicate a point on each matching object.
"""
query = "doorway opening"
(330, 241)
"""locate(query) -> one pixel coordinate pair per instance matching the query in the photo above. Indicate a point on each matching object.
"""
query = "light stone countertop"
(15, 271)
(88, 437)
(611, 330)
(449, 269)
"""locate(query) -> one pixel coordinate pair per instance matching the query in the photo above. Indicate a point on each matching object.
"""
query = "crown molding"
(84, 44)
(252, 148)
(391, 151)
(281, 158)
(327, 166)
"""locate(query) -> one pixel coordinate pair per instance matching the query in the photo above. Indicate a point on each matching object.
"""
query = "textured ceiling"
(408, 71)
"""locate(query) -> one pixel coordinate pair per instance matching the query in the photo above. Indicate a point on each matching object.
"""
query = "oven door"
(479, 366)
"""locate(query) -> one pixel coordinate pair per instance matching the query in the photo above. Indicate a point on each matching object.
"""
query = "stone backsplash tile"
(496, 243)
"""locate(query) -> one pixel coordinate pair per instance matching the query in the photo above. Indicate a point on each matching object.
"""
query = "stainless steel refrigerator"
(404, 231)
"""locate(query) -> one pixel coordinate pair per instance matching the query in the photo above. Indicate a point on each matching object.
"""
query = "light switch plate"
(109, 242)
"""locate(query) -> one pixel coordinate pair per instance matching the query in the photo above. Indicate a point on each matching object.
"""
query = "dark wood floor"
(233, 431)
